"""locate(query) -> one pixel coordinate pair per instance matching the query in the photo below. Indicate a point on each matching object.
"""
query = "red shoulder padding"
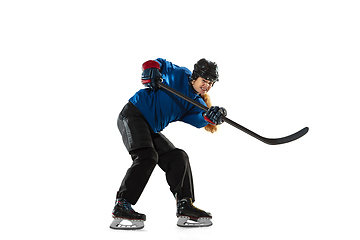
(150, 64)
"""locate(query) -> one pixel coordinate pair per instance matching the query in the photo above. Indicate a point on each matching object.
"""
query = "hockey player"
(140, 123)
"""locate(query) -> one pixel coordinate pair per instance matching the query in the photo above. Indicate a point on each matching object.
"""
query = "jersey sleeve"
(166, 66)
(195, 116)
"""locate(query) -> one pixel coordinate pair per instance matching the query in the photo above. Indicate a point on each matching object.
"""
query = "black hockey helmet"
(206, 69)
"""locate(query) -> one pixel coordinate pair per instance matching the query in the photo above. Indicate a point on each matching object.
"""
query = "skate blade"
(184, 221)
(118, 225)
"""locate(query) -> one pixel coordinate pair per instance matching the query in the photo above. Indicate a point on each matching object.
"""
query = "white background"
(68, 67)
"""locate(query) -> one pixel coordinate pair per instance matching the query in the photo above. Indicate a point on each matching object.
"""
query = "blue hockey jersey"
(161, 107)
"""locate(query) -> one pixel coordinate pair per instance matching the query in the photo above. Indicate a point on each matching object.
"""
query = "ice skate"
(125, 217)
(190, 216)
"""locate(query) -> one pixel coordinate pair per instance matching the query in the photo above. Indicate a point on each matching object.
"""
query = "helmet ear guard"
(194, 75)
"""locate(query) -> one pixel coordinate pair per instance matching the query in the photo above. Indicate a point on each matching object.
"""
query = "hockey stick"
(270, 141)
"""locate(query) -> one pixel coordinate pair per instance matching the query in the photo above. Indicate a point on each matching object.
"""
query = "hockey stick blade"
(270, 141)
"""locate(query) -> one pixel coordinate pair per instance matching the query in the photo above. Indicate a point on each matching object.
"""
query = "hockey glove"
(151, 74)
(215, 115)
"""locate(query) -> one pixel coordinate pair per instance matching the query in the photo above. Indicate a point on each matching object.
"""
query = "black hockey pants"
(148, 149)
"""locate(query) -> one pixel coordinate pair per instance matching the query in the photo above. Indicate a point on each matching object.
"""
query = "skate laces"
(191, 203)
(126, 205)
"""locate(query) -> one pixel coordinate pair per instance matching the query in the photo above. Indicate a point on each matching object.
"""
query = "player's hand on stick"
(215, 115)
(151, 74)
